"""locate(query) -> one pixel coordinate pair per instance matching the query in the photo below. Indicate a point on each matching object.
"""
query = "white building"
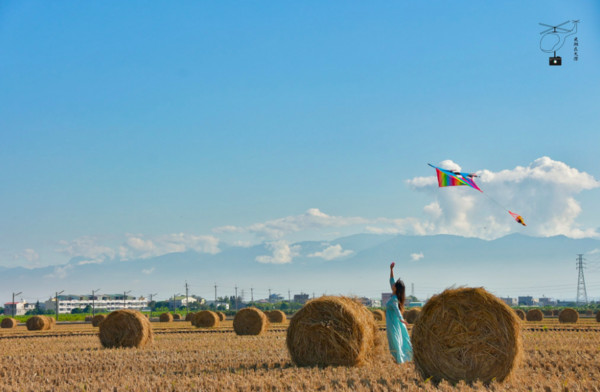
(16, 308)
(220, 305)
(109, 302)
(510, 301)
(185, 301)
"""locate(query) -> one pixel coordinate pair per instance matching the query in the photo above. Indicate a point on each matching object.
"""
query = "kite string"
(495, 201)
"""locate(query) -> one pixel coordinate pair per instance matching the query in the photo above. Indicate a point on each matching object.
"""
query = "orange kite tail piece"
(518, 218)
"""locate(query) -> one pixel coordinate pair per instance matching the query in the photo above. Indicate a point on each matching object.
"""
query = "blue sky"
(123, 120)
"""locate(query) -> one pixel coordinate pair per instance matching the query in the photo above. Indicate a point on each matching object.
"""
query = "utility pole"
(412, 289)
(215, 296)
(269, 295)
(313, 295)
(236, 299)
(251, 294)
(581, 291)
(93, 302)
(289, 296)
(14, 309)
(187, 300)
(125, 298)
(56, 300)
(151, 295)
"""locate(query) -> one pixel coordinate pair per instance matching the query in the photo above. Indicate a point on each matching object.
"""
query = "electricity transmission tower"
(581, 291)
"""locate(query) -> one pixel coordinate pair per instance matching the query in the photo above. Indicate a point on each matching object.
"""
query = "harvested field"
(556, 358)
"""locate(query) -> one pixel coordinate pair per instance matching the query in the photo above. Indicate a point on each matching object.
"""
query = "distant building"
(16, 308)
(385, 297)
(220, 305)
(365, 301)
(301, 298)
(527, 301)
(510, 301)
(545, 301)
(375, 302)
(110, 302)
(185, 301)
(275, 298)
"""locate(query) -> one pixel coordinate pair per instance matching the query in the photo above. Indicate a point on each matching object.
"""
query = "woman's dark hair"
(400, 293)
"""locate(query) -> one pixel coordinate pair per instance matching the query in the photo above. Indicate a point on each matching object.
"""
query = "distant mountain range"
(508, 266)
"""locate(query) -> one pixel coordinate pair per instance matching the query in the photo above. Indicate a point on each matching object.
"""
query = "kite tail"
(516, 217)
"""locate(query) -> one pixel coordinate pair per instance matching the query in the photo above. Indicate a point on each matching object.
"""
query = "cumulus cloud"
(313, 218)
(137, 246)
(332, 252)
(416, 256)
(542, 192)
(282, 253)
(88, 248)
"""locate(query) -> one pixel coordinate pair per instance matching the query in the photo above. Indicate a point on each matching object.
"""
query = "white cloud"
(60, 272)
(411, 226)
(542, 192)
(148, 271)
(416, 256)
(29, 255)
(433, 209)
(313, 218)
(88, 248)
(282, 253)
(594, 251)
(332, 252)
(242, 244)
(136, 246)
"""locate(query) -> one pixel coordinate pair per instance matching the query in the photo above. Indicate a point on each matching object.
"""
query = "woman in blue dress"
(397, 333)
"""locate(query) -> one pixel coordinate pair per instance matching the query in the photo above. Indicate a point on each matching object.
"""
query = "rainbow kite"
(455, 178)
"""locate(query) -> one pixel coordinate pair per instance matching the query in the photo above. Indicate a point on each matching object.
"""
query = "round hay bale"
(534, 315)
(39, 323)
(88, 319)
(8, 322)
(589, 312)
(189, 316)
(466, 334)
(411, 315)
(176, 316)
(222, 316)
(250, 321)
(520, 314)
(598, 316)
(332, 331)
(378, 314)
(276, 316)
(52, 321)
(548, 312)
(206, 319)
(568, 315)
(97, 319)
(165, 318)
(125, 328)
